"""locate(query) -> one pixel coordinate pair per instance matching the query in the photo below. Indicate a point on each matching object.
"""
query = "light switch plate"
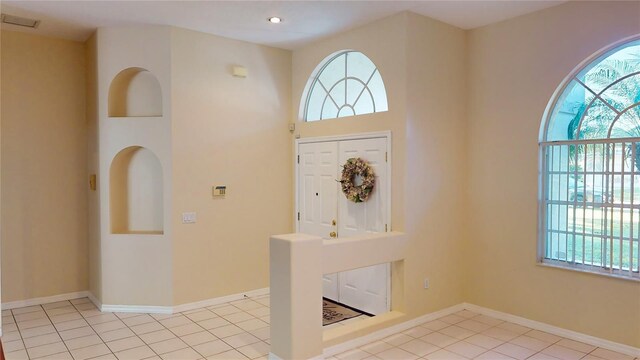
(188, 218)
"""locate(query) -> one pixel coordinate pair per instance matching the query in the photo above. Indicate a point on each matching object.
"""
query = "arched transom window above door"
(346, 83)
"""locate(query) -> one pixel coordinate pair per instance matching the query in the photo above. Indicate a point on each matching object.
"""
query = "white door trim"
(372, 135)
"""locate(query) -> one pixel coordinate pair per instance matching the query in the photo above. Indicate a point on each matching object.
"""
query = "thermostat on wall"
(219, 190)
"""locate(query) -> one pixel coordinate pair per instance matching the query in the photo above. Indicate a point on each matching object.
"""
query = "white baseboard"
(569, 334)
(220, 300)
(44, 300)
(386, 332)
(147, 309)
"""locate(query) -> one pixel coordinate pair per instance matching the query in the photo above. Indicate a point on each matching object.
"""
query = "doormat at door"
(333, 312)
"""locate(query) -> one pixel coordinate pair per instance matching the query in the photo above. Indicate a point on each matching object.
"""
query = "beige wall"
(44, 202)
(515, 66)
(228, 131)
(436, 163)
(425, 89)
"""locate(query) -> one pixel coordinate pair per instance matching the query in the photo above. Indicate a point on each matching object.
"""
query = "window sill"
(590, 272)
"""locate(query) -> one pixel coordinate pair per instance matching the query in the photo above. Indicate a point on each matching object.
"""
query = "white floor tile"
(255, 350)
(473, 325)
(157, 336)
(444, 355)
(262, 333)
(225, 331)
(213, 323)
(29, 324)
(198, 338)
(108, 326)
(238, 317)
(259, 312)
(465, 349)
(60, 356)
(147, 328)
(576, 345)
(116, 334)
(417, 332)
(45, 350)
(228, 355)
(530, 343)
(75, 333)
(183, 354)
(241, 339)
(124, 344)
(252, 324)
(34, 315)
(69, 309)
(376, 347)
(186, 329)
(73, 324)
(175, 321)
(11, 346)
(65, 317)
(138, 353)
(84, 341)
(484, 341)
(240, 330)
(396, 354)
(397, 339)
(611, 355)
(562, 352)
(212, 347)
(225, 310)
(17, 355)
(168, 346)
(26, 309)
(137, 320)
(541, 335)
(42, 340)
(457, 332)
(435, 325)
(492, 355)
(201, 315)
(419, 347)
(90, 352)
(355, 354)
(515, 351)
(439, 339)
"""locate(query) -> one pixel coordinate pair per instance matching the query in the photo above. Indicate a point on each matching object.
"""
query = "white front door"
(324, 210)
(366, 288)
(317, 197)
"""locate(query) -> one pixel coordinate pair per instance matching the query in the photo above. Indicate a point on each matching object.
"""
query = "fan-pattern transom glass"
(590, 183)
(346, 84)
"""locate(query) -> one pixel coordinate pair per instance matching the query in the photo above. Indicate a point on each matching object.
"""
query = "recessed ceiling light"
(274, 20)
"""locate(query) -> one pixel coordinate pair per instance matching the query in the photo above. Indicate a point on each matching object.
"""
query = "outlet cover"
(189, 218)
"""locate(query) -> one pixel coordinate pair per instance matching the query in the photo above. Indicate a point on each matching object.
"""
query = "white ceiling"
(304, 21)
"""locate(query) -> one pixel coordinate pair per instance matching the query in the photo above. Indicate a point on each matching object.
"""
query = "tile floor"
(240, 330)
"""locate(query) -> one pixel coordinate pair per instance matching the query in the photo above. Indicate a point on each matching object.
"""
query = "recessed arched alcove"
(135, 92)
(136, 192)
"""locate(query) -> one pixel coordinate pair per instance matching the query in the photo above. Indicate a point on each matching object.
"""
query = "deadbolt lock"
(333, 234)
(333, 222)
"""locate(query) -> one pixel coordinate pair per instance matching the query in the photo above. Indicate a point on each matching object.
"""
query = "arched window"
(344, 84)
(590, 167)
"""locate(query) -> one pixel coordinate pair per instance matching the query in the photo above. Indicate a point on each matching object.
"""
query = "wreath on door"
(353, 169)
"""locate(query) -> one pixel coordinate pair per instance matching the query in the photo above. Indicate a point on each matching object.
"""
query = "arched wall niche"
(136, 192)
(135, 92)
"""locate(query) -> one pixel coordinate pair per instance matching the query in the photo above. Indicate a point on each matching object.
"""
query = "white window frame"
(315, 79)
(543, 180)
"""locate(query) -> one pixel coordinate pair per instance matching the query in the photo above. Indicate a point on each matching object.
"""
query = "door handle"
(333, 234)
